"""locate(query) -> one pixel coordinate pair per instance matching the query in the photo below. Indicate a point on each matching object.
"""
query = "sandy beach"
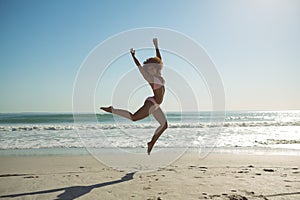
(217, 176)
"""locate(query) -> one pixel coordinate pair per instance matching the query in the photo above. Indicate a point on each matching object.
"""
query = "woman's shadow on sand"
(74, 192)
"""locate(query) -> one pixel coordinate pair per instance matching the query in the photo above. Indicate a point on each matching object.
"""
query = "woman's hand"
(136, 61)
(132, 51)
(155, 42)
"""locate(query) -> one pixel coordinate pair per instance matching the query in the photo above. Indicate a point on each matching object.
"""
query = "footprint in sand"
(237, 197)
(31, 176)
(197, 177)
(269, 170)
(242, 172)
(288, 186)
(283, 175)
(214, 195)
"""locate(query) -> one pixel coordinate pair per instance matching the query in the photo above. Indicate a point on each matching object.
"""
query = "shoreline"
(89, 151)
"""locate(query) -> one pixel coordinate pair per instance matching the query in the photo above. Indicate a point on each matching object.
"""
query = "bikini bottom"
(152, 99)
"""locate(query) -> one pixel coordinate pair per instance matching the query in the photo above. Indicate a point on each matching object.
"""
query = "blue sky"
(254, 44)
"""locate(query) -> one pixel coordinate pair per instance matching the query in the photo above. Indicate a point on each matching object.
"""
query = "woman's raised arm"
(155, 42)
(144, 73)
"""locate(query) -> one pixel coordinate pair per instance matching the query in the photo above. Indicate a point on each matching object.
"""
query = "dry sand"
(218, 176)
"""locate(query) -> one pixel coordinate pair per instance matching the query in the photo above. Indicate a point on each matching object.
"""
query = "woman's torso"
(158, 89)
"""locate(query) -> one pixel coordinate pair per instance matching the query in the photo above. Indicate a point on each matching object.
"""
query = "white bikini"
(157, 83)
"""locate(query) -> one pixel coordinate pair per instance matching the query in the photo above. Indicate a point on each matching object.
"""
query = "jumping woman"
(151, 71)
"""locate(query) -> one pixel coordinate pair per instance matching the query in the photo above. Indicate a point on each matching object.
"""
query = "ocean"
(65, 133)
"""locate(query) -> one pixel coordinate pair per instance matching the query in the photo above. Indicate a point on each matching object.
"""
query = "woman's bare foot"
(150, 146)
(107, 109)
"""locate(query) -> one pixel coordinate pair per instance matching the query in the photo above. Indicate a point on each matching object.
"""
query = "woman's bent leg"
(161, 118)
(141, 113)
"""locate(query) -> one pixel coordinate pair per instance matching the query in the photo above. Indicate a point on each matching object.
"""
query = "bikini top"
(157, 83)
